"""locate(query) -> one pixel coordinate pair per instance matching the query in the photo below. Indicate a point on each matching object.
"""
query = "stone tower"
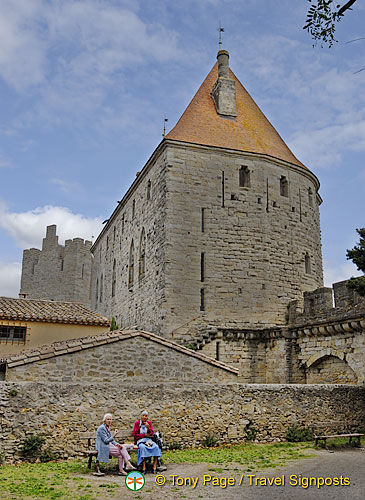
(57, 272)
(220, 228)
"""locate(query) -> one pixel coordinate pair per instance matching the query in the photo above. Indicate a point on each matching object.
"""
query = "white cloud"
(65, 186)
(10, 273)
(334, 273)
(28, 228)
(322, 148)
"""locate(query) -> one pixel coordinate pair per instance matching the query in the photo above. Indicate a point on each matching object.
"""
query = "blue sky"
(85, 85)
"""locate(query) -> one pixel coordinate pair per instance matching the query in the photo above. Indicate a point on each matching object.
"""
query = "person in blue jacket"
(107, 446)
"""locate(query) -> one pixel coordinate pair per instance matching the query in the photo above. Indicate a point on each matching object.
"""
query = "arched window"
(101, 288)
(284, 186)
(244, 177)
(307, 261)
(310, 197)
(131, 266)
(148, 190)
(97, 291)
(114, 278)
(142, 255)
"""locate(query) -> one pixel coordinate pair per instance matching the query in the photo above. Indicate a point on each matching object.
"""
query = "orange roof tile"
(251, 131)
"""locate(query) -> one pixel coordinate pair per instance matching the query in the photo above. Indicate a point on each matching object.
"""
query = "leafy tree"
(113, 325)
(357, 255)
(322, 17)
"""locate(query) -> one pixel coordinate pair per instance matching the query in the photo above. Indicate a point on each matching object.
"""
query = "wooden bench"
(91, 450)
(356, 435)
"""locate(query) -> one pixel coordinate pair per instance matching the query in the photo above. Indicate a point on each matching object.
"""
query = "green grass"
(252, 456)
(72, 479)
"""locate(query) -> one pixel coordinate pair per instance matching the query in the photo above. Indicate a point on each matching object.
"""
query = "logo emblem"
(134, 481)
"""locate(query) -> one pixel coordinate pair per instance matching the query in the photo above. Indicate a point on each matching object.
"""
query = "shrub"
(297, 434)
(32, 446)
(209, 441)
(251, 433)
(13, 392)
(174, 446)
(193, 347)
(47, 455)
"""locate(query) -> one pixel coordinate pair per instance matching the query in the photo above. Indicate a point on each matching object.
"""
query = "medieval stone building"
(57, 272)
(220, 228)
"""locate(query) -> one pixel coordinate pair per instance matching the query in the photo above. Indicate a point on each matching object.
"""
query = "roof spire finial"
(220, 30)
(164, 126)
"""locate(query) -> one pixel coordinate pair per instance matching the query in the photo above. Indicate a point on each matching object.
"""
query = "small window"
(113, 234)
(133, 209)
(114, 278)
(310, 197)
(122, 223)
(202, 300)
(202, 266)
(101, 288)
(244, 177)
(308, 267)
(107, 242)
(202, 220)
(97, 291)
(131, 266)
(12, 333)
(148, 190)
(142, 255)
(284, 186)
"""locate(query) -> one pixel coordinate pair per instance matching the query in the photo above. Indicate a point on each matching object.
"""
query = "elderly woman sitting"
(142, 432)
(106, 446)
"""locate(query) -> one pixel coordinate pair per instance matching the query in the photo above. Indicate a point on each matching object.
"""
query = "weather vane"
(221, 30)
(164, 126)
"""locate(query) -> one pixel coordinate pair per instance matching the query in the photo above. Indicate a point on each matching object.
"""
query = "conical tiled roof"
(250, 131)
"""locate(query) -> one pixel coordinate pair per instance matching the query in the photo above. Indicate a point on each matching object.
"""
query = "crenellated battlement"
(57, 272)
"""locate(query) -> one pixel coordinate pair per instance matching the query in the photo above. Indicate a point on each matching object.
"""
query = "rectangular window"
(202, 301)
(12, 333)
(202, 266)
(217, 351)
(203, 221)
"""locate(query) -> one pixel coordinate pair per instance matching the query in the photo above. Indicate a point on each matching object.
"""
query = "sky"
(85, 86)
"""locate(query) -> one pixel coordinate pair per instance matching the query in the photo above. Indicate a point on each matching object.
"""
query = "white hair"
(107, 415)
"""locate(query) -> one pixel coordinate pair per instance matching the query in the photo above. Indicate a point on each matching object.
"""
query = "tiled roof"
(49, 311)
(79, 344)
(250, 131)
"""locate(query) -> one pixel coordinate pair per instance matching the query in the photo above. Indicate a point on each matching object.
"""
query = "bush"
(193, 347)
(47, 455)
(251, 433)
(13, 392)
(298, 434)
(209, 441)
(174, 446)
(32, 446)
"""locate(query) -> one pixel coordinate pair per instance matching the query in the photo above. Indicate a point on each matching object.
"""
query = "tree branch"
(345, 7)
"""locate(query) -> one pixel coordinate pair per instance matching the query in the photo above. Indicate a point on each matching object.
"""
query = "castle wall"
(142, 211)
(183, 412)
(255, 241)
(57, 272)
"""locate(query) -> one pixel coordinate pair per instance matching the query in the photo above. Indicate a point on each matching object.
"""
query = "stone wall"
(58, 272)
(183, 412)
(120, 287)
(236, 255)
(135, 358)
(215, 253)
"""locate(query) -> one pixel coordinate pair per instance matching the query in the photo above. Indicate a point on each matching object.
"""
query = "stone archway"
(330, 368)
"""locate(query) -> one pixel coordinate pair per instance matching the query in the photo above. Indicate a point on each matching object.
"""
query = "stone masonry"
(184, 412)
(57, 272)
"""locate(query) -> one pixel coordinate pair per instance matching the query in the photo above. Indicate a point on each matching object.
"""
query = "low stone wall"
(184, 413)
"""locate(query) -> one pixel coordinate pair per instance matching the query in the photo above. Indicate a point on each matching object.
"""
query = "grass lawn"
(72, 479)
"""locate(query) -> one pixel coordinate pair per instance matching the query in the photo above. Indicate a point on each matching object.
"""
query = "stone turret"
(224, 90)
(57, 272)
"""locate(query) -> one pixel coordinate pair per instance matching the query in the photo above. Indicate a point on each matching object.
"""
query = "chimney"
(224, 90)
